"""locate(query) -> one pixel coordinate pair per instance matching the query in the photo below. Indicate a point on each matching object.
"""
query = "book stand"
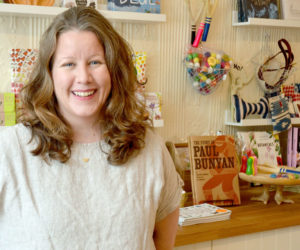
(266, 180)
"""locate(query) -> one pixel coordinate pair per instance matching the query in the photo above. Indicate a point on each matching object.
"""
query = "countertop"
(249, 217)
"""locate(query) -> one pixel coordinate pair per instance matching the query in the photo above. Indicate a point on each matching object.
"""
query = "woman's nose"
(83, 74)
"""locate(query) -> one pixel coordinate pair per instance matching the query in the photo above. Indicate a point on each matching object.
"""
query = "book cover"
(214, 170)
(146, 6)
(263, 144)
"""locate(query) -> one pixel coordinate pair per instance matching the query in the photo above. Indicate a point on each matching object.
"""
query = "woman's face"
(80, 76)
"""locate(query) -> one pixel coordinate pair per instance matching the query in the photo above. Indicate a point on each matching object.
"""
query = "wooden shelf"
(284, 23)
(46, 11)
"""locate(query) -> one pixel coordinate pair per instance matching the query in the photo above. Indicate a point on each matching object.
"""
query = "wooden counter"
(250, 217)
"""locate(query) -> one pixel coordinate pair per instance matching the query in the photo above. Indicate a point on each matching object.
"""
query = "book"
(261, 9)
(214, 170)
(146, 6)
(263, 144)
(241, 15)
(202, 213)
(294, 147)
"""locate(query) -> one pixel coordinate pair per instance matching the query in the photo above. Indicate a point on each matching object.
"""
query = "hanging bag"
(206, 68)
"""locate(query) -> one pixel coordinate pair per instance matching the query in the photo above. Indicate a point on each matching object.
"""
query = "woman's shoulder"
(12, 134)
(154, 142)
(153, 137)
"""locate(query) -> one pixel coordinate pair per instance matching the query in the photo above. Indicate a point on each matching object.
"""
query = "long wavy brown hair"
(123, 123)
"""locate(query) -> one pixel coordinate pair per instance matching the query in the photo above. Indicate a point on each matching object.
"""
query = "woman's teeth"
(83, 94)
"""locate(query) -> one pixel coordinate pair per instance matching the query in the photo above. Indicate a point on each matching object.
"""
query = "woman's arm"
(165, 231)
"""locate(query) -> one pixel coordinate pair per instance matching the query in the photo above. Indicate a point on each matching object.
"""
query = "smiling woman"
(83, 169)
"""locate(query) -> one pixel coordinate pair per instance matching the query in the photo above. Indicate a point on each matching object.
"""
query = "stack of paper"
(202, 213)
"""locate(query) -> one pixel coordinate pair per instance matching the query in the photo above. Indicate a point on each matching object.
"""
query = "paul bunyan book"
(214, 170)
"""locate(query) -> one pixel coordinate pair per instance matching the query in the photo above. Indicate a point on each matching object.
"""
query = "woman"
(82, 170)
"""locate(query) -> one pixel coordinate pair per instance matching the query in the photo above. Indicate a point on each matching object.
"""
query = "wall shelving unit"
(51, 11)
(262, 22)
(279, 23)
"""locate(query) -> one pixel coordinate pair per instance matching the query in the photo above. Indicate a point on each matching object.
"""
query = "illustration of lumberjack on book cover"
(214, 170)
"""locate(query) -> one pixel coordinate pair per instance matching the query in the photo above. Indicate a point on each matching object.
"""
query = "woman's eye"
(68, 64)
(94, 62)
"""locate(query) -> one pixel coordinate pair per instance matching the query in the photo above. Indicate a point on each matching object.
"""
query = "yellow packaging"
(7, 102)
(7, 118)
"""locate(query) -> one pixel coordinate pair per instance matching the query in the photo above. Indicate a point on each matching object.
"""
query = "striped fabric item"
(281, 118)
(243, 109)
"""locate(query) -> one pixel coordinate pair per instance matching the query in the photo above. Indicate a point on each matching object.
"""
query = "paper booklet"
(202, 213)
